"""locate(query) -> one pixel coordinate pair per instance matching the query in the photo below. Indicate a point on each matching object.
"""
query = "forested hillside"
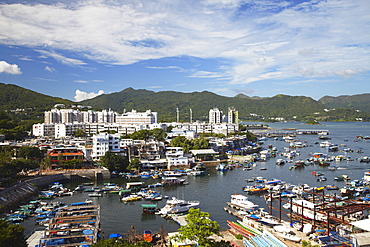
(356, 102)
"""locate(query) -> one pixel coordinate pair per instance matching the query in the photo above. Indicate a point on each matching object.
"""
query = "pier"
(71, 226)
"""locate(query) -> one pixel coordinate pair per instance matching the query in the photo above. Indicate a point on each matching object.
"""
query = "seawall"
(12, 196)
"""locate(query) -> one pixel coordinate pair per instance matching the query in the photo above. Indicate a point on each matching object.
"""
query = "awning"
(203, 151)
(362, 224)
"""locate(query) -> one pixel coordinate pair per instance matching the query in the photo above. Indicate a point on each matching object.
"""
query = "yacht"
(242, 202)
(175, 206)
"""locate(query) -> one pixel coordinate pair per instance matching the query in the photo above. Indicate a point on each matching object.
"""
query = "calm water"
(214, 189)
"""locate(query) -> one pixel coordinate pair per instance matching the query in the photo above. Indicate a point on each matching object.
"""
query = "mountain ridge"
(166, 104)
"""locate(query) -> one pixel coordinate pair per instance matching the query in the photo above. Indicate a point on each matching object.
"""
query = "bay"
(215, 188)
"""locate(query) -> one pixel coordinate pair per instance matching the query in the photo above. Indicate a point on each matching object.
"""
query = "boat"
(149, 208)
(342, 178)
(145, 175)
(242, 202)
(175, 206)
(306, 209)
(131, 198)
(255, 189)
(290, 237)
(148, 236)
(172, 180)
(280, 162)
(332, 187)
(95, 195)
(222, 167)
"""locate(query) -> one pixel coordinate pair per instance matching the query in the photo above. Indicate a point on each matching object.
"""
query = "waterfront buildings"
(61, 123)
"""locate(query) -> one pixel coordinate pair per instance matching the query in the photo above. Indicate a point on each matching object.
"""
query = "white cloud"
(168, 67)
(9, 68)
(81, 95)
(45, 79)
(61, 58)
(50, 69)
(257, 40)
(81, 81)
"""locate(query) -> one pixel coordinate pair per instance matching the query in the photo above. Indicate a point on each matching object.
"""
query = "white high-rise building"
(232, 116)
(215, 116)
(134, 117)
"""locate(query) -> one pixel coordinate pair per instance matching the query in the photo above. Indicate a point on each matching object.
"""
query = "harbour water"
(215, 188)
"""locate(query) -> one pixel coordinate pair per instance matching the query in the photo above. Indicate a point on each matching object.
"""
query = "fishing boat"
(149, 208)
(175, 206)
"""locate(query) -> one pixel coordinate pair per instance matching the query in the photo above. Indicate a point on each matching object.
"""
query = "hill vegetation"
(271, 109)
(24, 104)
(356, 102)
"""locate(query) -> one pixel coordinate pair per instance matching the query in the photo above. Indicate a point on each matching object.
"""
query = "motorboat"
(280, 162)
(175, 206)
(95, 195)
(242, 202)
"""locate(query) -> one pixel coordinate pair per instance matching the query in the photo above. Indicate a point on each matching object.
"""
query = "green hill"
(300, 108)
(166, 102)
(13, 97)
(356, 102)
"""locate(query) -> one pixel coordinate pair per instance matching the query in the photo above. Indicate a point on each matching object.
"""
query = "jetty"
(71, 226)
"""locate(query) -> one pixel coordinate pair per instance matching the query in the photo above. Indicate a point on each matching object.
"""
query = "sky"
(78, 49)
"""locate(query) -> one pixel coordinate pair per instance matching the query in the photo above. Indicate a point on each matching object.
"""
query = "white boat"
(95, 195)
(291, 237)
(175, 206)
(280, 162)
(242, 202)
(306, 209)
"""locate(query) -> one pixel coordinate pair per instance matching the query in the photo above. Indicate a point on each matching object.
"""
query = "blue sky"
(79, 49)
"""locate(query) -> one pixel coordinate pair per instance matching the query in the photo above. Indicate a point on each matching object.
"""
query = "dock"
(71, 226)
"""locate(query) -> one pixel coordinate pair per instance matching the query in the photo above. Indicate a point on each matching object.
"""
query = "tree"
(158, 134)
(79, 133)
(134, 164)
(115, 162)
(308, 244)
(119, 242)
(30, 153)
(11, 235)
(199, 228)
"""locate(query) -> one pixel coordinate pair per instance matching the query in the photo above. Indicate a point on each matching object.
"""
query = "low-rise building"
(103, 143)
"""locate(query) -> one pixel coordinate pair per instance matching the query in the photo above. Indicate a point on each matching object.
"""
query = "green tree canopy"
(79, 133)
(115, 162)
(119, 242)
(182, 141)
(11, 235)
(134, 164)
(199, 228)
(27, 152)
(157, 134)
